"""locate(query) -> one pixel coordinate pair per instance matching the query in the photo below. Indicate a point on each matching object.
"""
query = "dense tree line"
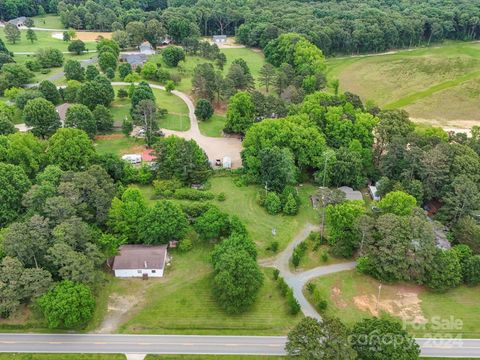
(335, 27)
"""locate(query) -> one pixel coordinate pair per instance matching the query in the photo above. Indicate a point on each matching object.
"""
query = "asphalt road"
(193, 344)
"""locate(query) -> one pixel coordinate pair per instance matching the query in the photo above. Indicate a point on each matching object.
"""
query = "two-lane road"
(194, 344)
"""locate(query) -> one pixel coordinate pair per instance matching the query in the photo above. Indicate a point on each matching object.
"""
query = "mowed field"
(440, 83)
(352, 297)
(182, 303)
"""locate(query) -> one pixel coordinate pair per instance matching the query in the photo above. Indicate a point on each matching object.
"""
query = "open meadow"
(352, 297)
(439, 82)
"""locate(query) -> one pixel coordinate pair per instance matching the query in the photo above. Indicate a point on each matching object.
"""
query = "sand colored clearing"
(109, 137)
(85, 35)
(399, 300)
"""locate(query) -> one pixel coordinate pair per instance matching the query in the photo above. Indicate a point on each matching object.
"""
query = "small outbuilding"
(351, 194)
(132, 158)
(146, 48)
(219, 39)
(140, 261)
(227, 162)
(18, 22)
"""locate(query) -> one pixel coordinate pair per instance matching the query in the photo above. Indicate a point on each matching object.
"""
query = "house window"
(154, 271)
(139, 271)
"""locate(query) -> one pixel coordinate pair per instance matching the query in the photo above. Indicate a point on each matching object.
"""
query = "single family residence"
(140, 261)
(134, 59)
(146, 48)
(219, 39)
(18, 22)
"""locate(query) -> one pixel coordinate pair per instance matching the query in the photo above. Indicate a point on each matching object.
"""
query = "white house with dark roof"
(18, 22)
(140, 261)
(219, 39)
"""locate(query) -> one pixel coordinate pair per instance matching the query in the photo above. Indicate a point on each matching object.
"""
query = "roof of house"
(219, 36)
(62, 111)
(148, 155)
(134, 59)
(133, 257)
(19, 20)
(351, 194)
(146, 45)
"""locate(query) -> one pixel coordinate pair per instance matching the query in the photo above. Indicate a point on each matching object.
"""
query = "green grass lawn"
(352, 296)
(213, 127)
(242, 201)
(182, 303)
(313, 258)
(411, 77)
(16, 356)
(45, 39)
(254, 59)
(118, 144)
(48, 22)
(177, 118)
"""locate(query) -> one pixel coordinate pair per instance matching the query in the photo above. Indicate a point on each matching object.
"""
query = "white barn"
(140, 261)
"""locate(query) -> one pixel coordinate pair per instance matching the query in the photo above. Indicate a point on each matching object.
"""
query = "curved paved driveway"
(215, 147)
(297, 280)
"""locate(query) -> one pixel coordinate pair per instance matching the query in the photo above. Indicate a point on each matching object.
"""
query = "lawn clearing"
(48, 22)
(352, 296)
(177, 118)
(313, 258)
(213, 127)
(45, 40)
(118, 144)
(407, 78)
(242, 201)
(182, 303)
(253, 57)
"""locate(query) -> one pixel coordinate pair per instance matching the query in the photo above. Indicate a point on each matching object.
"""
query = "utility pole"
(323, 196)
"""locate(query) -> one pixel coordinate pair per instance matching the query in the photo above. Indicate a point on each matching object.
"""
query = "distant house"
(219, 39)
(432, 207)
(134, 59)
(18, 22)
(146, 48)
(140, 261)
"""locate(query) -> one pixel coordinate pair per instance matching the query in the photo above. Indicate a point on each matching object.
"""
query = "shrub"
(311, 287)
(172, 55)
(122, 93)
(273, 203)
(293, 303)
(193, 195)
(296, 258)
(185, 245)
(273, 247)
(282, 286)
(324, 256)
(291, 206)
(322, 305)
(363, 265)
(161, 187)
(194, 210)
(221, 196)
(276, 274)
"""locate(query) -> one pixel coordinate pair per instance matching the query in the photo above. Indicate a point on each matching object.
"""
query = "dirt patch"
(336, 296)
(109, 137)
(400, 301)
(136, 149)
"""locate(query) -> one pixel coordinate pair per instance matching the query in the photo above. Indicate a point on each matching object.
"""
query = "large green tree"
(369, 339)
(311, 339)
(277, 168)
(181, 159)
(240, 113)
(80, 117)
(41, 115)
(163, 222)
(70, 149)
(68, 305)
(13, 184)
